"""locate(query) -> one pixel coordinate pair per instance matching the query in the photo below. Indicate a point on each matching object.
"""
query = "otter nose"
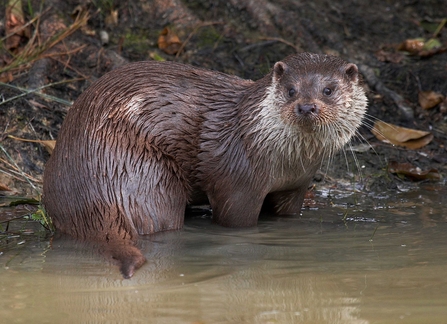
(306, 109)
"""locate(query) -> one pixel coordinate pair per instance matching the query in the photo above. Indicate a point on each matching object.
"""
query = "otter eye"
(292, 92)
(327, 91)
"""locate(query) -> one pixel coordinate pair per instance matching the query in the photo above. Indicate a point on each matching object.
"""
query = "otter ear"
(352, 71)
(279, 70)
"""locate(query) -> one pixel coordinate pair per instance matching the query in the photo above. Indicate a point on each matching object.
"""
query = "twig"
(282, 40)
(374, 82)
(12, 173)
(36, 91)
(440, 26)
(32, 52)
(23, 174)
(20, 28)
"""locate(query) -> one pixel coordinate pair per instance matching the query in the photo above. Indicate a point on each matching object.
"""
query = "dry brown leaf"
(112, 18)
(4, 187)
(169, 42)
(407, 137)
(412, 172)
(6, 77)
(386, 56)
(443, 107)
(422, 47)
(429, 99)
(79, 11)
(428, 53)
(413, 46)
(14, 21)
(49, 145)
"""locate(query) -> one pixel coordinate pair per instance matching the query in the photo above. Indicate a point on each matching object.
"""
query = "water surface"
(362, 260)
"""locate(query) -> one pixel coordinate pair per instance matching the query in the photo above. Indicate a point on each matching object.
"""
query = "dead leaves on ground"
(410, 138)
(401, 136)
(422, 47)
(15, 27)
(4, 187)
(430, 99)
(425, 47)
(416, 47)
(414, 173)
(28, 47)
(169, 42)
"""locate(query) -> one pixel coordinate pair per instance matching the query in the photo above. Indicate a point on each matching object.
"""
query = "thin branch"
(36, 91)
(282, 40)
(23, 174)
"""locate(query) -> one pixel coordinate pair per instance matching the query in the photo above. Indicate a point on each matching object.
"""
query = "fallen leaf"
(428, 53)
(6, 77)
(49, 145)
(169, 42)
(412, 46)
(386, 56)
(443, 107)
(80, 11)
(14, 25)
(4, 187)
(429, 99)
(112, 19)
(422, 47)
(413, 172)
(401, 136)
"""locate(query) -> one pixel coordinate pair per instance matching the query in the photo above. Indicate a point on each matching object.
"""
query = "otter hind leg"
(156, 203)
(159, 202)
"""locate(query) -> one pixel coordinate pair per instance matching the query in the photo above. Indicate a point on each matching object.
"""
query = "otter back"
(149, 138)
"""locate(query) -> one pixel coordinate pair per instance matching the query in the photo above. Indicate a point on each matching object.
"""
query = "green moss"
(139, 41)
(208, 37)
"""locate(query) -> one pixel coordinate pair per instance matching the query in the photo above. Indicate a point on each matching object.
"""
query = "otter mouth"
(307, 109)
(308, 116)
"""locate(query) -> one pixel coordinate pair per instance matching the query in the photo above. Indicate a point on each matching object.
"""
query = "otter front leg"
(287, 202)
(236, 208)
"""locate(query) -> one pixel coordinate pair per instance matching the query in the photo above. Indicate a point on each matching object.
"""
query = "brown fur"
(147, 139)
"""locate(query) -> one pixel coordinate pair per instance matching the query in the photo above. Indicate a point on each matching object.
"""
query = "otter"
(146, 140)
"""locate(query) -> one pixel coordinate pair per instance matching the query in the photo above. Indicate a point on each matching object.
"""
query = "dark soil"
(245, 38)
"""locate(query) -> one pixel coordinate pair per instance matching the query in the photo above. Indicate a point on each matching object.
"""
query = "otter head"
(320, 97)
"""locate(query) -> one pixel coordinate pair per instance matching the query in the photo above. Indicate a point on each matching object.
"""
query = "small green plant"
(42, 217)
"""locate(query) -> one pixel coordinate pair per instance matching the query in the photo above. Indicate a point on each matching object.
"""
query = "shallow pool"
(362, 260)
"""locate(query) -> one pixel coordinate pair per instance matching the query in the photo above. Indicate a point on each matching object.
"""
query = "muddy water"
(379, 259)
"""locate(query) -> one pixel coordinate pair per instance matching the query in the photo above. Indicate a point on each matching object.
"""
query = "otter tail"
(126, 254)
(128, 257)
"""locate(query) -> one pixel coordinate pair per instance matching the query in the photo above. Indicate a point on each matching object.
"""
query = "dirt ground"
(241, 37)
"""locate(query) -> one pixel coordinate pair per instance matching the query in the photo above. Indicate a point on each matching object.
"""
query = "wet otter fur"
(146, 140)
